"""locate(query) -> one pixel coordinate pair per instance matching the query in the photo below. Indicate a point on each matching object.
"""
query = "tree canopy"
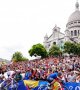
(38, 50)
(67, 47)
(17, 56)
(73, 48)
(77, 51)
(55, 51)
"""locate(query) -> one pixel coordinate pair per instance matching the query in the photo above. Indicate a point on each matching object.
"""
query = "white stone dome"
(75, 16)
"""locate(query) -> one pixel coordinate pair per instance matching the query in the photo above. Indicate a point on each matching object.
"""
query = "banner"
(21, 86)
(45, 83)
(42, 85)
(31, 83)
(73, 85)
(18, 86)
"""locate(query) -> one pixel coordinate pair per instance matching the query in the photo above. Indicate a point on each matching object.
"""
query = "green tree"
(17, 56)
(67, 47)
(78, 49)
(70, 47)
(73, 48)
(38, 50)
(55, 51)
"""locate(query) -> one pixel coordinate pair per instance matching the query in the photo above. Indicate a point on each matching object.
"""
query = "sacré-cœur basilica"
(72, 31)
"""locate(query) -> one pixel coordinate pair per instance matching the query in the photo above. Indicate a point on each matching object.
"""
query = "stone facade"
(72, 32)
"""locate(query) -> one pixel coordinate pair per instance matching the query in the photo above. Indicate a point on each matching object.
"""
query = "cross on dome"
(77, 5)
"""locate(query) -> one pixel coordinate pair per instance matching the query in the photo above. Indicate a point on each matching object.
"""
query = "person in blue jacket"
(52, 76)
(27, 74)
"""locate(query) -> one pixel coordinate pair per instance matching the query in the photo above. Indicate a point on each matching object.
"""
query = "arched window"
(78, 32)
(48, 45)
(75, 32)
(71, 33)
(54, 43)
(75, 22)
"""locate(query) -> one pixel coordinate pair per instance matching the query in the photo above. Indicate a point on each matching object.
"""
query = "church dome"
(75, 16)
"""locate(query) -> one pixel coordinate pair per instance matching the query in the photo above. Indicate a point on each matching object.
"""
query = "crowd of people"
(40, 69)
(49, 69)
